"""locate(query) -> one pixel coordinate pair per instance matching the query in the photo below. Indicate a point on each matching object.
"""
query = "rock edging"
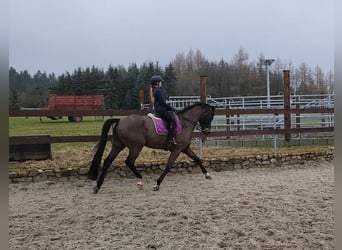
(184, 167)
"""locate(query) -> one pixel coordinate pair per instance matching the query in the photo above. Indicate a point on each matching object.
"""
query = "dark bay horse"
(137, 131)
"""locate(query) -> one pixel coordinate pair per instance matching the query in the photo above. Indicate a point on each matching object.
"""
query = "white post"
(201, 148)
(274, 135)
(268, 62)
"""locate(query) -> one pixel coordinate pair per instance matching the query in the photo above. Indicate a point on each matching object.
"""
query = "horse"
(136, 131)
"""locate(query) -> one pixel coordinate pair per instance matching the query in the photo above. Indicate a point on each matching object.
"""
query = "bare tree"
(319, 77)
(330, 82)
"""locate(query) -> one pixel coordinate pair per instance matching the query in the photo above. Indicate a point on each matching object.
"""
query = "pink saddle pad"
(160, 126)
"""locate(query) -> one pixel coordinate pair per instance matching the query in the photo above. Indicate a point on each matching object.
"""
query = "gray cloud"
(59, 36)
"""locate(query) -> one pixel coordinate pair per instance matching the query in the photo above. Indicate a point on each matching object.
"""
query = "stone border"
(184, 167)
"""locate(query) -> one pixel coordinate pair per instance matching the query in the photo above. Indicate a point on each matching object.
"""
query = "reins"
(187, 119)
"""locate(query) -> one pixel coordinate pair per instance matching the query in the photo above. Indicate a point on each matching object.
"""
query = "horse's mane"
(190, 107)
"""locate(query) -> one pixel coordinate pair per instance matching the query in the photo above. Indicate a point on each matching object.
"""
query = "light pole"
(268, 63)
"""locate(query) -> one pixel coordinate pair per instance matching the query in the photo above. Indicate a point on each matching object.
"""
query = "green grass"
(33, 126)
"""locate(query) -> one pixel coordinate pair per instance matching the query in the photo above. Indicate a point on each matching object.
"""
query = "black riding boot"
(171, 142)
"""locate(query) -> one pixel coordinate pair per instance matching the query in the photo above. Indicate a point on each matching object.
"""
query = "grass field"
(62, 127)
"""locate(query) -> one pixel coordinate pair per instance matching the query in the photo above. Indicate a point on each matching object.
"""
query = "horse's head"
(206, 118)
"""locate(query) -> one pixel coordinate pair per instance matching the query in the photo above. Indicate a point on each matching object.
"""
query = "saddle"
(160, 125)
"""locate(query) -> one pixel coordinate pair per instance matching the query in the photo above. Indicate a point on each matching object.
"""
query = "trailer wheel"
(75, 118)
(78, 118)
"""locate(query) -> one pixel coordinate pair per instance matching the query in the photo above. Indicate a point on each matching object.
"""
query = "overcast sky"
(62, 35)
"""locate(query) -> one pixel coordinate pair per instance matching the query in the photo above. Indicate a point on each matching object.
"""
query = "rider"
(162, 108)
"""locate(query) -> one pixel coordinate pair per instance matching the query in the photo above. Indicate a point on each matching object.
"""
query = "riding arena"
(271, 201)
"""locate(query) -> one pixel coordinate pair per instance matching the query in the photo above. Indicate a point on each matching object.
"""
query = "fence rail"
(259, 102)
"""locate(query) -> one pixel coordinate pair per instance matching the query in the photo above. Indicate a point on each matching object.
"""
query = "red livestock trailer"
(75, 102)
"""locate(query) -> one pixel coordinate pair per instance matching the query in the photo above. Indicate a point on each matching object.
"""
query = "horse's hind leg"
(173, 156)
(188, 151)
(130, 161)
(106, 164)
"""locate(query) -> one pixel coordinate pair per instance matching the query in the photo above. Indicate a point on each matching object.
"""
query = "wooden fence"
(228, 113)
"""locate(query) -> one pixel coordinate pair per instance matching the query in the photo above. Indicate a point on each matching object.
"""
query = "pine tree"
(170, 77)
(14, 102)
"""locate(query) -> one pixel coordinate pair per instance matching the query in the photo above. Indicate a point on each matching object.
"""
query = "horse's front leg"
(188, 151)
(173, 156)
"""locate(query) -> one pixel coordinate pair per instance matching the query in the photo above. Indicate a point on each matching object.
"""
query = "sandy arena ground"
(289, 207)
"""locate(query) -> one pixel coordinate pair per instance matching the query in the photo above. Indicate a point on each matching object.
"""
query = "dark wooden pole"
(203, 88)
(287, 105)
(228, 123)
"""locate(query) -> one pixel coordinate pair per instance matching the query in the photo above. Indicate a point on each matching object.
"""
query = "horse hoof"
(208, 176)
(92, 177)
(95, 190)
(140, 185)
(155, 187)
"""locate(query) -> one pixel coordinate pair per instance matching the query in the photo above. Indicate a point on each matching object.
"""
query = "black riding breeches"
(171, 123)
(165, 115)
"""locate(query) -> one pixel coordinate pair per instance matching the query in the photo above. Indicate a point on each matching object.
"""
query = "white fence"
(276, 101)
(244, 122)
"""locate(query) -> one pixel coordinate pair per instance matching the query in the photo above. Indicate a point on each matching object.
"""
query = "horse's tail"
(101, 145)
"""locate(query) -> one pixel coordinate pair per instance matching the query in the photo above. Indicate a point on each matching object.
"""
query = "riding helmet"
(155, 79)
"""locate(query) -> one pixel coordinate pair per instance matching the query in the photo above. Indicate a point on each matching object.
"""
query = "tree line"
(121, 86)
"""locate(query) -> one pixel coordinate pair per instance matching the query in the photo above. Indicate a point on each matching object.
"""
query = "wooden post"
(238, 122)
(297, 115)
(322, 115)
(203, 88)
(228, 122)
(287, 105)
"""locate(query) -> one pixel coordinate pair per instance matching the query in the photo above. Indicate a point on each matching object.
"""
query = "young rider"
(162, 109)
